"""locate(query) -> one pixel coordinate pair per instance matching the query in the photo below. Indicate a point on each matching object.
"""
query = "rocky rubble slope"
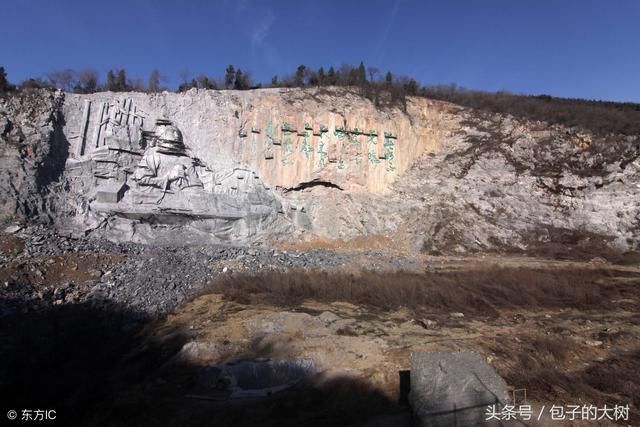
(40, 269)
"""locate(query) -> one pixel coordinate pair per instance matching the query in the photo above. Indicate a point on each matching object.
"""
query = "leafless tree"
(346, 75)
(65, 80)
(87, 81)
(184, 75)
(136, 85)
(153, 85)
(373, 72)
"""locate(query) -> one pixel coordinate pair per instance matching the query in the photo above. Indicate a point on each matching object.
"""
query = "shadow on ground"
(109, 366)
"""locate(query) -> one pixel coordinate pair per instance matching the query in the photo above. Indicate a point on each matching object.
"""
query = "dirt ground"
(567, 332)
(583, 353)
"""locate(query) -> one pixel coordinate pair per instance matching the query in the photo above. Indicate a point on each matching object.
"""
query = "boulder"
(453, 389)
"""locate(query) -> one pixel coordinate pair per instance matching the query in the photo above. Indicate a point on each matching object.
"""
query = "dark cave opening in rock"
(313, 183)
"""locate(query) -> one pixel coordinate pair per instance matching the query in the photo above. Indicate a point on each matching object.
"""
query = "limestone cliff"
(250, 148)
(498, 183)
(288, 136)
(317, 164)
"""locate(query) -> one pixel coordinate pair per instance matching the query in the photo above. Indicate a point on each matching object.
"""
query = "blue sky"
(587, 49)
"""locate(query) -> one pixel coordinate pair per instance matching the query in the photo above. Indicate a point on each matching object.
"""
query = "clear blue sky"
(587, 49)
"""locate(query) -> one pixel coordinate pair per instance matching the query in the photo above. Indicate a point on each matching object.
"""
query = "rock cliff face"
(497, 183)
(32, 153)
(245, 149)
(289, 137)
(504, 183)
(314, 164)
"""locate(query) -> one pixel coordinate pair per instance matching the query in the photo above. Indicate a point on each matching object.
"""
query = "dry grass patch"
(480, 292)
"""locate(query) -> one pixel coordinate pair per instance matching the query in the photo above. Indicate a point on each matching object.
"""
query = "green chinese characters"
(306, 147)
(270, 137)
(287, 149)
(373, 137)
(324, 155)
(353, 136)
(373, 158)
(287, 145)
(271, 134)
(371, 155)
(389, 149)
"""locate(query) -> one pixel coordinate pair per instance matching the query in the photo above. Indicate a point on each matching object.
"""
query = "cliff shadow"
(53, 166)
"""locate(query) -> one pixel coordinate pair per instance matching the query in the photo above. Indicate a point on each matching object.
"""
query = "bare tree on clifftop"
(153, 85)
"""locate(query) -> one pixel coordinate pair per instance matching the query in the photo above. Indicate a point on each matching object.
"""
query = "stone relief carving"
(152, 175)
(165, 162)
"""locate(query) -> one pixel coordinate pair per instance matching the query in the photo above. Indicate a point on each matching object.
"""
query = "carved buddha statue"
(165, 162)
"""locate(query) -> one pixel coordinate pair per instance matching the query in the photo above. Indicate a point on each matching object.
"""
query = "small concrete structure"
(111, 192)
(453, 389)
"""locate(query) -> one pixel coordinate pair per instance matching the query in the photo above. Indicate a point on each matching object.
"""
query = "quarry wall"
(289, 137)
(314, 165)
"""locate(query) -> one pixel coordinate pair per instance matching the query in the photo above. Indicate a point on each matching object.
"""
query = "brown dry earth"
(582, 349)
(567, 332)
